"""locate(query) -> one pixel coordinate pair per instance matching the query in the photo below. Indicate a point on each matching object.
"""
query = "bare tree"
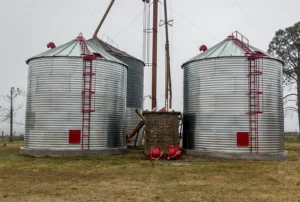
(8, 114)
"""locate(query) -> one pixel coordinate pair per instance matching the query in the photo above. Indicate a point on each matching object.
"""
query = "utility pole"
(168, 85)
(154, 53)
(11, 114)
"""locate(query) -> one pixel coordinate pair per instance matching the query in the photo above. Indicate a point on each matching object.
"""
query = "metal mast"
(154, 53)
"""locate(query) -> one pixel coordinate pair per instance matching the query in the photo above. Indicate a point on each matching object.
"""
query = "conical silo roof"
(74, 49)
(111, 49)
(226, 48)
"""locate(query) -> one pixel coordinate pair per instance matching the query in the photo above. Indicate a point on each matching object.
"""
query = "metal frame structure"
(255, 80)
(241, 41)
(147, 32)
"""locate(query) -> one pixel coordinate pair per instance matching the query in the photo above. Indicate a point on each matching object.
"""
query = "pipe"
(140, 114)
(103, 18)
(138, 127)
(135, 130)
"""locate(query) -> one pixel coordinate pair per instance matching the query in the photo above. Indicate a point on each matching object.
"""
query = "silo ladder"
(87, 97)
(255, 97)
(255, 80)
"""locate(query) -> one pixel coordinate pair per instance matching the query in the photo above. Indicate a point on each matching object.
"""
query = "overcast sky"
(28, 25)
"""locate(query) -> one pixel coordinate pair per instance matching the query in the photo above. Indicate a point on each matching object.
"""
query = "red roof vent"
(51, 45)
(203, 48)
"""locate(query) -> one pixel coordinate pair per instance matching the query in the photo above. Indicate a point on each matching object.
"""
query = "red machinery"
(155, 154)
(174, 152)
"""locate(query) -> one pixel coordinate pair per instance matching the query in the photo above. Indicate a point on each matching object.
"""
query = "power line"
(250, 19)
(179, 56)
(193, 24)
(196, 26)
(128, 25)
(93, 13)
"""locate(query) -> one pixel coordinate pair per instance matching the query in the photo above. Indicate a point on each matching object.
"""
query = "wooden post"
(154, 53)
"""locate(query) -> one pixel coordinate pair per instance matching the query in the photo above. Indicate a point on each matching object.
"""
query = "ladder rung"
(87, 111)
(89, 73)
(255, 73)
(256, 92)
(256, 112)
(88, 91)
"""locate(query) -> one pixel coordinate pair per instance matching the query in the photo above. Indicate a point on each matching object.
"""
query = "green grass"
(131, 178)
(292, 138)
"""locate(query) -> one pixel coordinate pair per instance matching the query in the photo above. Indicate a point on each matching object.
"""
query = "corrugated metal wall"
(135, 83)
(216, 105)
(54, 103)
(135, 91)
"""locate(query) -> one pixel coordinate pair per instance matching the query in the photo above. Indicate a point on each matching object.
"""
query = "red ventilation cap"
(203, 48)
(51, 45)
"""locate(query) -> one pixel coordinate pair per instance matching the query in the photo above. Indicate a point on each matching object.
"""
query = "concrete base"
(41, 152)
(241, 156)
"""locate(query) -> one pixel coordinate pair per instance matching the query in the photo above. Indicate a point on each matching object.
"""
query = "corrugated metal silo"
(58, 99)
(220, 86)
(135, 83)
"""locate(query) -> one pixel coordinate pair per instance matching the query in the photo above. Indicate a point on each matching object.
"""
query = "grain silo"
(76, 101)
(233, 104)
(135, 84)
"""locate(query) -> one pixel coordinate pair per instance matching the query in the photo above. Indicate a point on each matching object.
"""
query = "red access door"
(242, 139)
